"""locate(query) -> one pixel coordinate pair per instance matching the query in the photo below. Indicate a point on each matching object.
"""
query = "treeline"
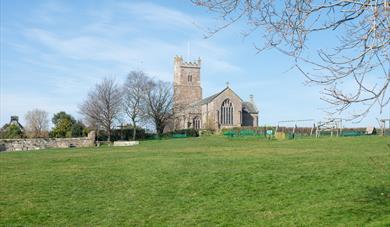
(140, 101)
(111, 109)
(37, 126)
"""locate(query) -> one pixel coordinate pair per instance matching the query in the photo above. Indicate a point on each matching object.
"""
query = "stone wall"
(43, 143)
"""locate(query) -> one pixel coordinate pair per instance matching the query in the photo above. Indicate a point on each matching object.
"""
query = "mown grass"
(201, 181)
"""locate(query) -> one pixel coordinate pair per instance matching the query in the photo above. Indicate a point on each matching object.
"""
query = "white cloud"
(48, 12)
(83, 47)
(148, 54)
(101, 45)
(130, 49)
(159, 15)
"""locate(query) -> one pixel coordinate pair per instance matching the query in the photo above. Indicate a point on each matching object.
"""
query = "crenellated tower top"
(180, 62)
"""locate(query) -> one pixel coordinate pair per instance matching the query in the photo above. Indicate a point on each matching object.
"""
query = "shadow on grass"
(375, 204)
(372, 207)
(379, 195)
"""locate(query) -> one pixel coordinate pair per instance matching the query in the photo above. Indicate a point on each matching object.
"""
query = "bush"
(256, 130)
(12, 132)
(206, 132)
(122, 134)
(188, 132)
(77, 130)
(66, 126)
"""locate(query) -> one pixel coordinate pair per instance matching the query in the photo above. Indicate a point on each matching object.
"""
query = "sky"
(53, 52)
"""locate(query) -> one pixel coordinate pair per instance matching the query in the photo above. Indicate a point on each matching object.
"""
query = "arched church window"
(227, 113)
(196, 123)
(189, 78)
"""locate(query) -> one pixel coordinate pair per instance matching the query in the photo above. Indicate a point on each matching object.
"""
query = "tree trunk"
(160, 128)
(108, 135)
(134, 130)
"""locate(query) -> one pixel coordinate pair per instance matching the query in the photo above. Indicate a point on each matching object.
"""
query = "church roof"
(249, 107)
(212, 97)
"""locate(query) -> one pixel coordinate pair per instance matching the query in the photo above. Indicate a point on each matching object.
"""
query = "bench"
(352, 133)
(247, 133)
(178, 136)
(229, 133)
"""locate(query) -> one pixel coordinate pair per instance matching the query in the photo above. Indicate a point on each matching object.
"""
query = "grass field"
(201, 181)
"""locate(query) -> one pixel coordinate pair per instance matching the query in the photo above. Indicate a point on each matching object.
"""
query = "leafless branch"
(37, 123)
(103, 104)
(134, 94)
(360, 58)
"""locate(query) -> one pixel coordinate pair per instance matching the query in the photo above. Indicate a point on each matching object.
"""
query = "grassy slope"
(202, 181)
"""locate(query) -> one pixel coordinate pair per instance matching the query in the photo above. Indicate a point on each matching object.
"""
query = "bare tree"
(360, 56)
(103, 105)
(134, 94)
(37, 123)
(159, 104)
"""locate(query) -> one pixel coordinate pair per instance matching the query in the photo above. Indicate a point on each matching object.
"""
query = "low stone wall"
(125, 143)
(36, 144)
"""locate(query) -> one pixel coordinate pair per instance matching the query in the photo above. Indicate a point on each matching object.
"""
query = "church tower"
(186, 83)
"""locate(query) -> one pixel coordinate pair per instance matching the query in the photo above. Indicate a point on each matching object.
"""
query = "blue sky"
(53, 52)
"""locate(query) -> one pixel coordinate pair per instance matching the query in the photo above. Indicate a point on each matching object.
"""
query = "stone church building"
(224, 109)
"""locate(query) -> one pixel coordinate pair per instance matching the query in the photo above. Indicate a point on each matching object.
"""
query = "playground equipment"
(385, 131)
(333, 125)
(280, 131)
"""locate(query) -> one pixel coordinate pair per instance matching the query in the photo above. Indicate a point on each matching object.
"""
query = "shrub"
(77, 129)
(66, 126)
(206, 132)
(189, 132)
(12, 132)
(256, 130)
(122, 134)
(62, 127)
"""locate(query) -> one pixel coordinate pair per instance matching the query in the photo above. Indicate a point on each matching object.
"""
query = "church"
(224, 109)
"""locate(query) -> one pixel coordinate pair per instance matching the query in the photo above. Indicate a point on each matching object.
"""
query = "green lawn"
(201, 181)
